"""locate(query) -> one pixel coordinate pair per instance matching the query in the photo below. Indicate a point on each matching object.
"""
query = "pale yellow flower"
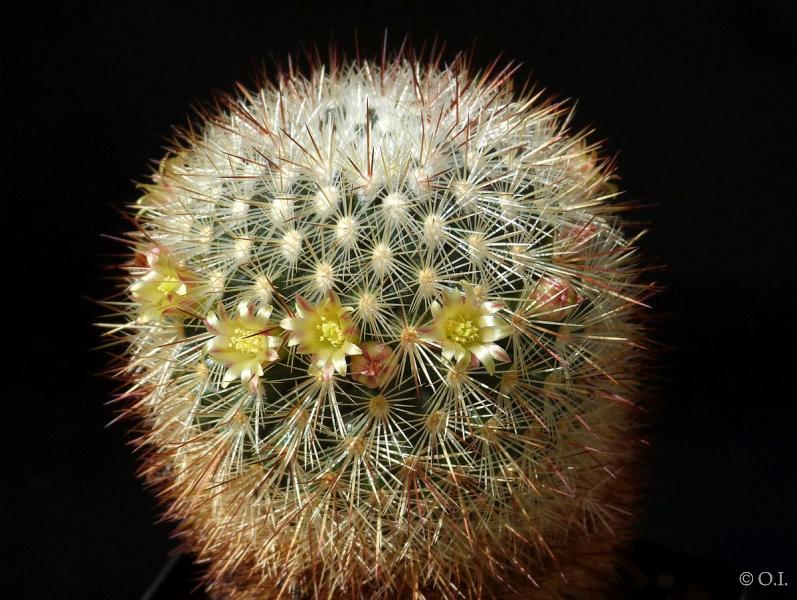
(326, 331)
(244, 343)
(167, 288)
(466, 329)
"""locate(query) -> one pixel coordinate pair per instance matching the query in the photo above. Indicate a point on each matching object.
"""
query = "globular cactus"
(383, 339)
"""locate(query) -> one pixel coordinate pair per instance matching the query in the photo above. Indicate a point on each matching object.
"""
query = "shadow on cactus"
(384, 339)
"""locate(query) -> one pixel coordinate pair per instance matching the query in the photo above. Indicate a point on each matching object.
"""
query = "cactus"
(383, 339)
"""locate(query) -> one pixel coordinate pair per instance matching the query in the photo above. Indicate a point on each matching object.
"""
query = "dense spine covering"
(383, 339)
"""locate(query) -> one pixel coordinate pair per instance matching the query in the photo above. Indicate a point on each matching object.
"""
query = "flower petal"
(339, 362)
(303, 307)
(490, 321)
(495, 333)
(482, 352)
(323, 354)
(290, 323)
(499, 353)
(351, 349)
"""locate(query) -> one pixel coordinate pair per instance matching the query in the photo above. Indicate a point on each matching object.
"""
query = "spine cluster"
(383, 339)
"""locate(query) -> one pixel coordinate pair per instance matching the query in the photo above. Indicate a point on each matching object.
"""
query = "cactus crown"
(380, 334)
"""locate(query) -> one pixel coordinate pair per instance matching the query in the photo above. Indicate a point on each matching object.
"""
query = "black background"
(696, 100)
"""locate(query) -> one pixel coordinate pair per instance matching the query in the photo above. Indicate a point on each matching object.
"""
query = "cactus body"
(382, 339)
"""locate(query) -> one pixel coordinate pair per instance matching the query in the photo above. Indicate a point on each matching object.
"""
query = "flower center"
(331, 332)
(168, 285)
(246, 341)
(462, 330)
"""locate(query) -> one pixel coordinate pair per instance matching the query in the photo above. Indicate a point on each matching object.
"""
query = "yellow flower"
(243, 344)
(466, 328)
(326, 331)
(165, 289)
